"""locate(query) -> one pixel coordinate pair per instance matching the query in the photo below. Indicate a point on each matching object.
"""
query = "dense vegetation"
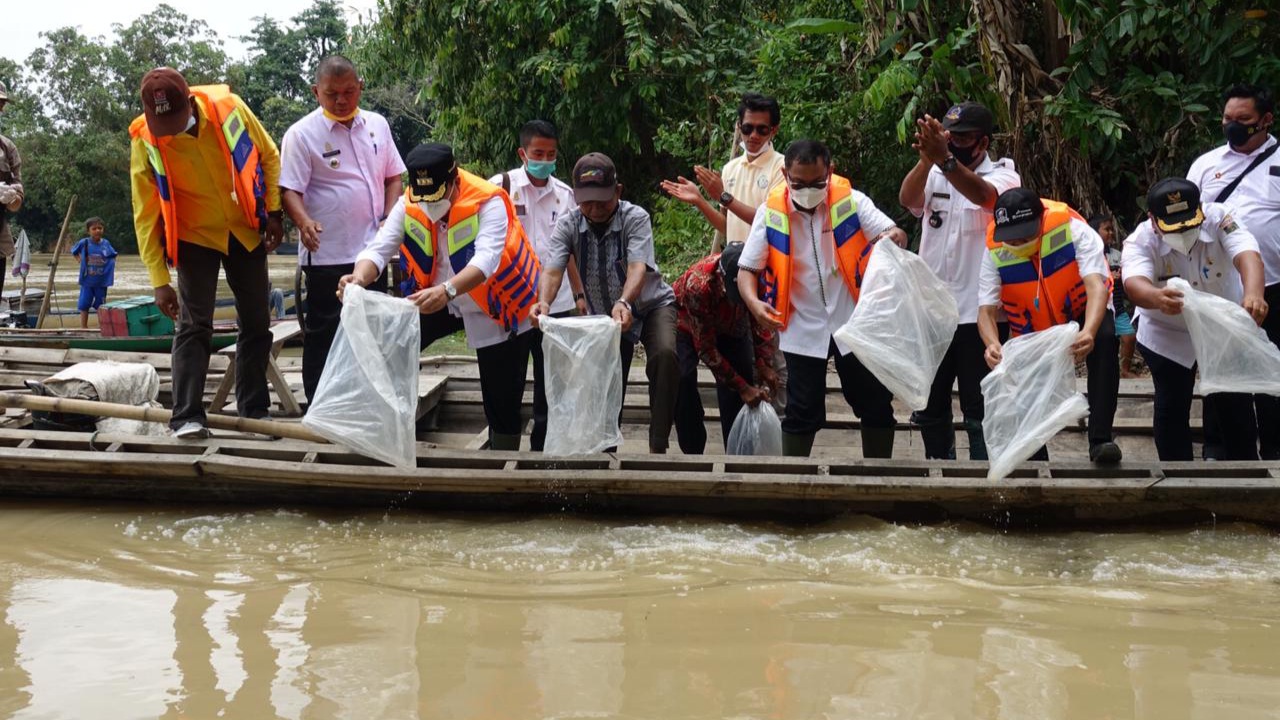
(1095, 99)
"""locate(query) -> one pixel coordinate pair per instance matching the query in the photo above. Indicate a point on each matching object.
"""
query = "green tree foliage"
(275, 80)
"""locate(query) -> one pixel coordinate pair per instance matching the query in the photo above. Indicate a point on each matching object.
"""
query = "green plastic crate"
(134, 317)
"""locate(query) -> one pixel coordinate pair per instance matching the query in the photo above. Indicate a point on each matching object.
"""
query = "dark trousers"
(1175, 386)
(502, 371)
(323, 315)
(964, 361)
(1103, 389)
(1268, 406)
(198, 294)
(691, 428)
(538, 438)
(658, 335)
(807, 392)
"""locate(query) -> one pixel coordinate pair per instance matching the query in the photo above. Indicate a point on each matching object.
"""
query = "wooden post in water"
(274, 428)
(53, 264)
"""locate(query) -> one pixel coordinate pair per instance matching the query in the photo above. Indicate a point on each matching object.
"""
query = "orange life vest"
(1046, 289)
(509, 294)
(853, 251)
(248, 187)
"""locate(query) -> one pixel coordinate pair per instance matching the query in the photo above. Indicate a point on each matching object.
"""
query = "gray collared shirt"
(603, 259)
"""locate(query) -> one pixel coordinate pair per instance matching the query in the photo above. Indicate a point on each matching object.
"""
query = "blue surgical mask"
(540, 169)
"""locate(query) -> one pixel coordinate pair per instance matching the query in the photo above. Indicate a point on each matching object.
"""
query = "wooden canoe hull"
(93, 340)
(237, 470)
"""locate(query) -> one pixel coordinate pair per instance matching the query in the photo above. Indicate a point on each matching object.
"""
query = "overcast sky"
(24, 21)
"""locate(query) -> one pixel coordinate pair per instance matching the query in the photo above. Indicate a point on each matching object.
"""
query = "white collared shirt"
(820, 300)
(342, 174)
(1091, 258)
(538, 209)
(481, 329)
(1255, 203)
(1209, 268)
(954, 249)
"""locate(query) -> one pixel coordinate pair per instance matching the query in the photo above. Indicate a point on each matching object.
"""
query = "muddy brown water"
(126, 611)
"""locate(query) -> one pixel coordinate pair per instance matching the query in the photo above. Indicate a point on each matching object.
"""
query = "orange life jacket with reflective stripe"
(1046, 289)
(853, 251)
(248, 187)
(509, 294)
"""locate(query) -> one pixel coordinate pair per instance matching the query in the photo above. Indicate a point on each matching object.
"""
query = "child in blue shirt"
(97, 268)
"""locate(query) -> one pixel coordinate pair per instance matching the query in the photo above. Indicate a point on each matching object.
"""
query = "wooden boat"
(92, 339)
(454, 472)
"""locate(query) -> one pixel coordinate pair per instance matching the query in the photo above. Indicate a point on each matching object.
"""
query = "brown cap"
(166, 101)
(594, 178)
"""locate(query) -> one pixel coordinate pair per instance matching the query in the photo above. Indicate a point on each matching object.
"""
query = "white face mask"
(766, 148)
(808, 198)
(436, 210)
(1182, 241)
(191, 122)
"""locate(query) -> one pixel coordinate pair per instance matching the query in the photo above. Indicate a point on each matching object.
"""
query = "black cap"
(431, 169)
(729, 268)
(594, 178)
(969, 117)
(1017, 214)
(1175, 204)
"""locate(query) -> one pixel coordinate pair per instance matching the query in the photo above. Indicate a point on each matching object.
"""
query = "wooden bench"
(281, 333)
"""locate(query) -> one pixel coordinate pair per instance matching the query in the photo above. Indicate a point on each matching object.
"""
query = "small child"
(1105, 225)
(97, 268)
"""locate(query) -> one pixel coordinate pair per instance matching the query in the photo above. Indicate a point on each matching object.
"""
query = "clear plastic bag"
(1030, 396)
(756, 431)
(1232, 352)
(903, 323)
(367, 398)
(583, 368)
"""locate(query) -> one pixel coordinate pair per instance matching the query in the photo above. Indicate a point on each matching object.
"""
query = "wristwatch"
(949, 164)
(275, 214)
(450, 290)
(623, 302)
(726, 199)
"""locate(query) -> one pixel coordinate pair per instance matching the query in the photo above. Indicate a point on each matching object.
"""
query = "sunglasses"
(749, 129)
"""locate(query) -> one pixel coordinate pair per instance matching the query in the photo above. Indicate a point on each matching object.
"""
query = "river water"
(122, 611)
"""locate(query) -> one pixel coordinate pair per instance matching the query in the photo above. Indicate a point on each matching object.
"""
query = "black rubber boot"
(877, 442)
(499, 441)
(977, 440)
(939, 439)
(797, 445)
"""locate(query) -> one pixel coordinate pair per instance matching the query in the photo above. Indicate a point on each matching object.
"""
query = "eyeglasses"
(816, 185)
(749, 129)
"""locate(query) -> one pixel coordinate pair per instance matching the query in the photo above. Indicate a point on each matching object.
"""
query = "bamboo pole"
(275, 428)
(53, 264)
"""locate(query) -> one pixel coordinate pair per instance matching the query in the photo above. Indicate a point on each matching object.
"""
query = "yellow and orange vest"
(853, 251)
(1046, 289)
(509, 294)
(249, 189)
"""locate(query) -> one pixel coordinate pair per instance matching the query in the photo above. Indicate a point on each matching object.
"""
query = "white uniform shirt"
(538, 209)
(820, 300)
(1255, 203)
(1209, 268)
(954, 249)
(342, 174)
(481, 329)
(1090, 257)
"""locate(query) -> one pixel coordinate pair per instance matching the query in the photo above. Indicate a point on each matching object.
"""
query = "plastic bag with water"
(367, 397)
(1030, 396)
(1233, 353)
(756, 431)
(583, 378)
(903, 323)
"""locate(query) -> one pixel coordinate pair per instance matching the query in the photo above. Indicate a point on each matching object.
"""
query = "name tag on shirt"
(520, 209)
(331, 153)
(1275, 171)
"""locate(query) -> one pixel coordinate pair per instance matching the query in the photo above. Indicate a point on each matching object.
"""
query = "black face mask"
(964, 155)
(1238, 134)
